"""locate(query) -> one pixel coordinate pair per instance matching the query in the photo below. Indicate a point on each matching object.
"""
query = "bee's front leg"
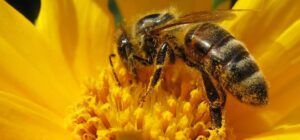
(160, 62)
(113, 69)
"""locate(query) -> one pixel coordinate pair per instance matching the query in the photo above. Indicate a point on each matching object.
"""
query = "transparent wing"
(206, 16)
(197, 17)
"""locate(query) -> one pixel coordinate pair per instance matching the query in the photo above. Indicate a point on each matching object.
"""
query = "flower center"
(176, 109)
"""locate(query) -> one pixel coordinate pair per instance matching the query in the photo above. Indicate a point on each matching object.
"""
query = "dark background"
(29, 8)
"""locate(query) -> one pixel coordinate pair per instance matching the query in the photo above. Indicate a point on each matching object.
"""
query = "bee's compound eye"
(124, 45)
(123, 40)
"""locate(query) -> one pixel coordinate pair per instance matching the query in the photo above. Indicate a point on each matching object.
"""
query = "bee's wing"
(197, 17)
(206, 16)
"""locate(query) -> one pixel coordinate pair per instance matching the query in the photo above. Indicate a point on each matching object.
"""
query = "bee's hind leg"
(216, 103)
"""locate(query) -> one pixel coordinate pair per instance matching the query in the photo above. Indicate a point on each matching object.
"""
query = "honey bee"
(223, 61)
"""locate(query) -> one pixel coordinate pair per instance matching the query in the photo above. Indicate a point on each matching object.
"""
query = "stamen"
(108, 111)
(139, 116)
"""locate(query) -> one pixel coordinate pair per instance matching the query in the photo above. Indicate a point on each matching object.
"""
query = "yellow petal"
(30, 66)
(95, 39)
(286, 132)
(282, 69)
(264, 22)
(136, 8)
(133, 9)
(58, 22)
(291, 119)
(22, 119)
(23, 78)
(280, 64)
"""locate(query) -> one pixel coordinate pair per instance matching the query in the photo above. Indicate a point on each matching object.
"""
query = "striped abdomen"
(228, 61)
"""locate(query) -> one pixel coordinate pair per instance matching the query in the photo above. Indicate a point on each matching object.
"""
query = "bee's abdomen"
(228, 61)
(237, 71)
(200, 39)
(234, 60)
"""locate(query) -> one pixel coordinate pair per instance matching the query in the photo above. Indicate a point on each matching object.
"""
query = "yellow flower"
(55, 75)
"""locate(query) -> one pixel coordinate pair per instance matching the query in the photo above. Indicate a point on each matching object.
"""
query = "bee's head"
(149, 21)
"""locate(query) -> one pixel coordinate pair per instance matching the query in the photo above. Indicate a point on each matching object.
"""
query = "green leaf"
(216, 3)
(114, 9)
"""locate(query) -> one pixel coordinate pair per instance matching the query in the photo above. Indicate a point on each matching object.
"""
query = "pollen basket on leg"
(176, 109)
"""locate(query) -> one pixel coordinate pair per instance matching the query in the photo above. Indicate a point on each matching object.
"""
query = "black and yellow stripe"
(228, 61)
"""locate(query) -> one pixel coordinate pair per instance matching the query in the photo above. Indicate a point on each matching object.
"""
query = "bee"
(223, 61)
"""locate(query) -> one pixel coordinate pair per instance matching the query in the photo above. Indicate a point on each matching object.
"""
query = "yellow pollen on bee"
(108, 111)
